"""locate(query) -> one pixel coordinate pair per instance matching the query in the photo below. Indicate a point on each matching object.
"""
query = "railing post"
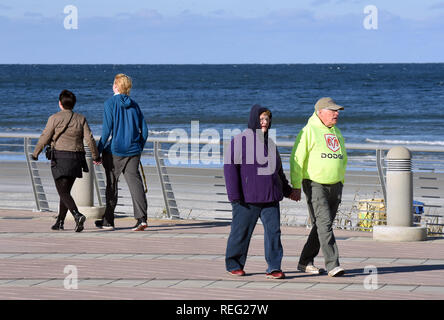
(167, 190)
(99, 185)
(399, 200)
(380, 166)
(37, 187)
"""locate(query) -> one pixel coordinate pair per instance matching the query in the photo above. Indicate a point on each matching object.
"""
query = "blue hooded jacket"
(124, 122)
(249, 177)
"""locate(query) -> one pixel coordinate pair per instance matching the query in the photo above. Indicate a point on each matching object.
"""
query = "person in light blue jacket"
(124, 134)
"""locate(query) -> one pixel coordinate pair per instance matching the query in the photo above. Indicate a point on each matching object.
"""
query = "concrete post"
(399, 206)
(83, 192)
(400, 185)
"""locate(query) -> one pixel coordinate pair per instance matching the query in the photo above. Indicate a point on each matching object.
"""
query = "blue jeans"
(245, 217)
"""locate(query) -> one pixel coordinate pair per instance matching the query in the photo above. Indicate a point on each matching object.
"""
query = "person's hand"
(239, 202)
(98, 161)
(295, 195)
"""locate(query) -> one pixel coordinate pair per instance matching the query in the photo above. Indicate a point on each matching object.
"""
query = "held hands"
(295, 195)
(98, 161)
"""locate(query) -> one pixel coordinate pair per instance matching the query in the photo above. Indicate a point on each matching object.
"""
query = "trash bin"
(371, 212)
(418, 209)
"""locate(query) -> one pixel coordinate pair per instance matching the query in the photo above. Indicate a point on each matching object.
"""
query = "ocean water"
(389, 103)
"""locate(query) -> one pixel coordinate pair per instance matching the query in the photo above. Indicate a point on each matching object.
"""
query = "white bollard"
(83, 192)
(399, 204)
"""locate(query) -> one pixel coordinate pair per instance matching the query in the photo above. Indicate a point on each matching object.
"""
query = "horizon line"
(233, 63)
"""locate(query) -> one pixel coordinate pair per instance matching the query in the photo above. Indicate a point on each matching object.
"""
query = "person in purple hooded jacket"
(255, 183)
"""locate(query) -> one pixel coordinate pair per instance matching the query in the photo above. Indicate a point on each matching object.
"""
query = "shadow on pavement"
(394, 269)
(185, 226)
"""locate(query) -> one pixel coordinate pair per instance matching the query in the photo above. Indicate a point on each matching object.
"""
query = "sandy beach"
(200, 192)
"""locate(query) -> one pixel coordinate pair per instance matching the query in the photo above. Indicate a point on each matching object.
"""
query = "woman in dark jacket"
(255, 183)
(65, 132)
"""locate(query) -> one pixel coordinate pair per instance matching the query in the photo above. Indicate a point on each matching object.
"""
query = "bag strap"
(64, 129)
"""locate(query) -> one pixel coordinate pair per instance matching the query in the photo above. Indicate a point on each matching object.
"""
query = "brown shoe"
(237, 273)
(275, 275)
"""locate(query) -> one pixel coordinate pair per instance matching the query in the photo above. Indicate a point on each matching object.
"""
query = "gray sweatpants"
(129, 166)
(323, 201)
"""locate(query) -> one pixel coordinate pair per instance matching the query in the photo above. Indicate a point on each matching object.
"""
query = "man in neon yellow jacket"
(317, 164)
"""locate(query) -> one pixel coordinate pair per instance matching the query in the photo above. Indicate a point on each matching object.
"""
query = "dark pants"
(64, 186)
(129, 166)
(323, 201)
(245, 217)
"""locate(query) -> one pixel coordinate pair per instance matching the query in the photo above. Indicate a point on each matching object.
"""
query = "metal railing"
(195, 188)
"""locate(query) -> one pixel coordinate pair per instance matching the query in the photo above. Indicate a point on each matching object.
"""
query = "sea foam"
(406, 142)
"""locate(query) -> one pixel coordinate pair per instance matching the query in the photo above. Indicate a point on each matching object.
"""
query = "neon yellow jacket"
(318, 154)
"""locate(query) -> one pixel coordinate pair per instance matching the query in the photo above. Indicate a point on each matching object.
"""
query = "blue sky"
(216, 31)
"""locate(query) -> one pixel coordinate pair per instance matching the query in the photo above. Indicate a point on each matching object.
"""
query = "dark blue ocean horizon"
(398, 103)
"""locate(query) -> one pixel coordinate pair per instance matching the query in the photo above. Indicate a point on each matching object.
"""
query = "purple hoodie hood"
(252, 165)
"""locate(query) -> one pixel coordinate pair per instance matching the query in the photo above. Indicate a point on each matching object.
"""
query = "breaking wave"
(407, 142)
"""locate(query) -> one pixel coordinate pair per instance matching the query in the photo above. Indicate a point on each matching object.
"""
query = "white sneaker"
(310, 269)
(336, 272)
(140, 227)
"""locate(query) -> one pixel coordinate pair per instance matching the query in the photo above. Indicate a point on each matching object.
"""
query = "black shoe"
(59, 222)
(107, 226)
(79, 219)
(104, 225)
(58, 225)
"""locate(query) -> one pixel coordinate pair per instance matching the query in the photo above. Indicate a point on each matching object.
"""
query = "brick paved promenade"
(185, 260)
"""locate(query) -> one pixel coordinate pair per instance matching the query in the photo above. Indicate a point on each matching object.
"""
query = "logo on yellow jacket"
(332, 142)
